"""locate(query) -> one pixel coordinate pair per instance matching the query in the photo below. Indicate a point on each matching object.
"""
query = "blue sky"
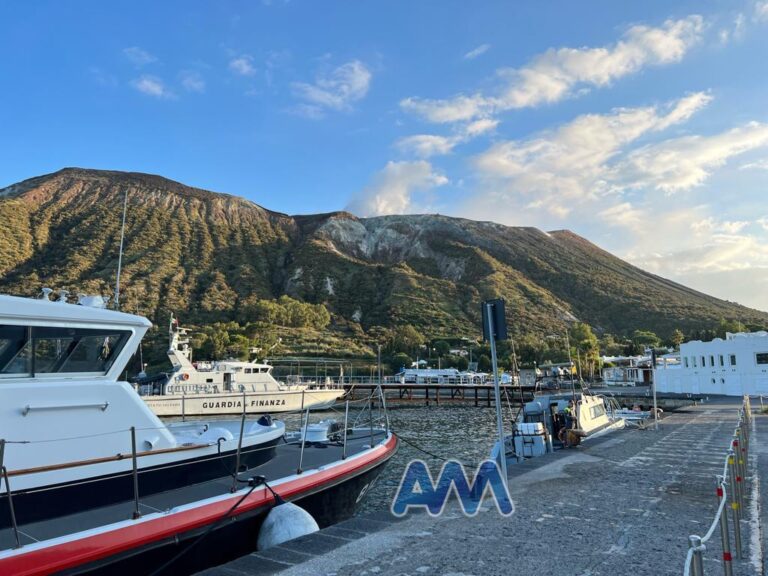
(641, 126)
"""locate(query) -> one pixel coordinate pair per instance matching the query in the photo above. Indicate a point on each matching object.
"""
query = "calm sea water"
(458, 431)
(461, 432)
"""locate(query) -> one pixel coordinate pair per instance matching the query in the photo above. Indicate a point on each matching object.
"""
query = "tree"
(677, 338)
(484, 363)
(586, 344)
(442, 348)
(406, 339)
(646, 338)
(400, 361)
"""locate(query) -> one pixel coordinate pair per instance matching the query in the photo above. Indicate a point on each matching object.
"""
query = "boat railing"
(368, 415)
(730, 486)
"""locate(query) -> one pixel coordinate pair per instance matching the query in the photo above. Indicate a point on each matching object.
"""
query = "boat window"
(597, 411)
(15, 350)
(247, 371)
(685, 359)
(711, 360)
(733, 359)
(260, 370)
(762, 357)
(722, 363)
(703, 362)
(694, 362)
(46, 350)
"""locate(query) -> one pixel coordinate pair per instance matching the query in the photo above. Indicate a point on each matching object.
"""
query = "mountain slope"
(212, 256)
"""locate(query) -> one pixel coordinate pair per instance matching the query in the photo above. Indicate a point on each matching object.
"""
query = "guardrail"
(733, 491)
(374, 422)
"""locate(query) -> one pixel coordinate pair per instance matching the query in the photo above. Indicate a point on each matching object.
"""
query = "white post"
(120, 254)
(497, 395)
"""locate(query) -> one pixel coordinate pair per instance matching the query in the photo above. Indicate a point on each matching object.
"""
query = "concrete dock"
(622, 504)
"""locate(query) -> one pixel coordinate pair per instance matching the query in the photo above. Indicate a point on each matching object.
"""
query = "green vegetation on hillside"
(333, 284)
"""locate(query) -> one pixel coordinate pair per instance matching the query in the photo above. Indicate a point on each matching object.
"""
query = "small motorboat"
(92, 481)
(544, 429)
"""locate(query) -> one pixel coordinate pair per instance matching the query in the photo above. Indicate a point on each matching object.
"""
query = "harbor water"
(431, 433)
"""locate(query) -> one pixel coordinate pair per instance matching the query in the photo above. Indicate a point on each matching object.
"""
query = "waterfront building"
(734, 366)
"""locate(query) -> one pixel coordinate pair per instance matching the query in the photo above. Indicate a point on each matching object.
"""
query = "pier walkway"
(624, 504)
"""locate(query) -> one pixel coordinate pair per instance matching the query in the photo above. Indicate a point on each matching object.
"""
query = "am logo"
(418, 490)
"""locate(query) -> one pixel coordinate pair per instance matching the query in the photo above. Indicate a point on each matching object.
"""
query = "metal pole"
(570, 364)
(136, 512)
(120, 255)
(370, 415)
(239, 449)
(697, 566)
(183, 407)
(304, 440)
(346, 418)
(4, 472)
(727, 558)
(497, 395)
(655, 404)
(735, 505)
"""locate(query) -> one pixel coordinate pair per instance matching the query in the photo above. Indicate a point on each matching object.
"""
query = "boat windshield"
(32, 350)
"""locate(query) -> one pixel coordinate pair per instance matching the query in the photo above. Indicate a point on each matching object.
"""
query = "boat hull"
(65, 498)
(254, 402)
(330, 494)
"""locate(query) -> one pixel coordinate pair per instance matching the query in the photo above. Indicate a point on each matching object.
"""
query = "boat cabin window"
(703, 362)
(685, 360)
(247, 371)
(260, 370)
(694, 362)
(761, 357)
(733, 359)
(712, 361)
(31, 350)
(722, 363)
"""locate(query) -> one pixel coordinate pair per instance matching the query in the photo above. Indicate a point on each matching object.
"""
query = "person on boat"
(569, 414)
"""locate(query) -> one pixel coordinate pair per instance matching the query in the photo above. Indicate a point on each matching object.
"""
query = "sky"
(642, 126)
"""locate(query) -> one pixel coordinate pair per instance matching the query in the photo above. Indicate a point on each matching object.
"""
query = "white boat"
(543, 427)
(91, 480)
(227, 387)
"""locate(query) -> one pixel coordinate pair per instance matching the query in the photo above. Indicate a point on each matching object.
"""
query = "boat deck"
(285, 463)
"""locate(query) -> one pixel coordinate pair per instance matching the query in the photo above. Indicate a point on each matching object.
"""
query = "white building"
(735, 366)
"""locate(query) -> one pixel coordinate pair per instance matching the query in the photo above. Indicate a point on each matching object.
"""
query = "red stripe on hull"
(90, 549)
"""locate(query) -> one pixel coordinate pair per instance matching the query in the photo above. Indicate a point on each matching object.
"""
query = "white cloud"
(138, 57)
(428, 145)
(572, 164)
(392, 189)
(710, 225)
(336, 90)
(152, 86)
(475, 52)
(761, 11)
(242, 65)
(192, 81)
(560, 73)
(685, 162)
(757, 165)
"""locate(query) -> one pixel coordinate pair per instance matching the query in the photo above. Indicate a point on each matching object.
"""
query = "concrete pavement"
(624, 504)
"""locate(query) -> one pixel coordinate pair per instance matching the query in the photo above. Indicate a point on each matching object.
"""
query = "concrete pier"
(622, 504)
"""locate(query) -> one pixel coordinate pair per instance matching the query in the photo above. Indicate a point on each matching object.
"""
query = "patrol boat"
(92, 481)
(226, 387)
(544, 425)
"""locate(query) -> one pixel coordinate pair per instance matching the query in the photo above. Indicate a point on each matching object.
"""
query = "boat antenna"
(120, 255)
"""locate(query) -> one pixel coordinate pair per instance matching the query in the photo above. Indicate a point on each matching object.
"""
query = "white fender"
(285, 522)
